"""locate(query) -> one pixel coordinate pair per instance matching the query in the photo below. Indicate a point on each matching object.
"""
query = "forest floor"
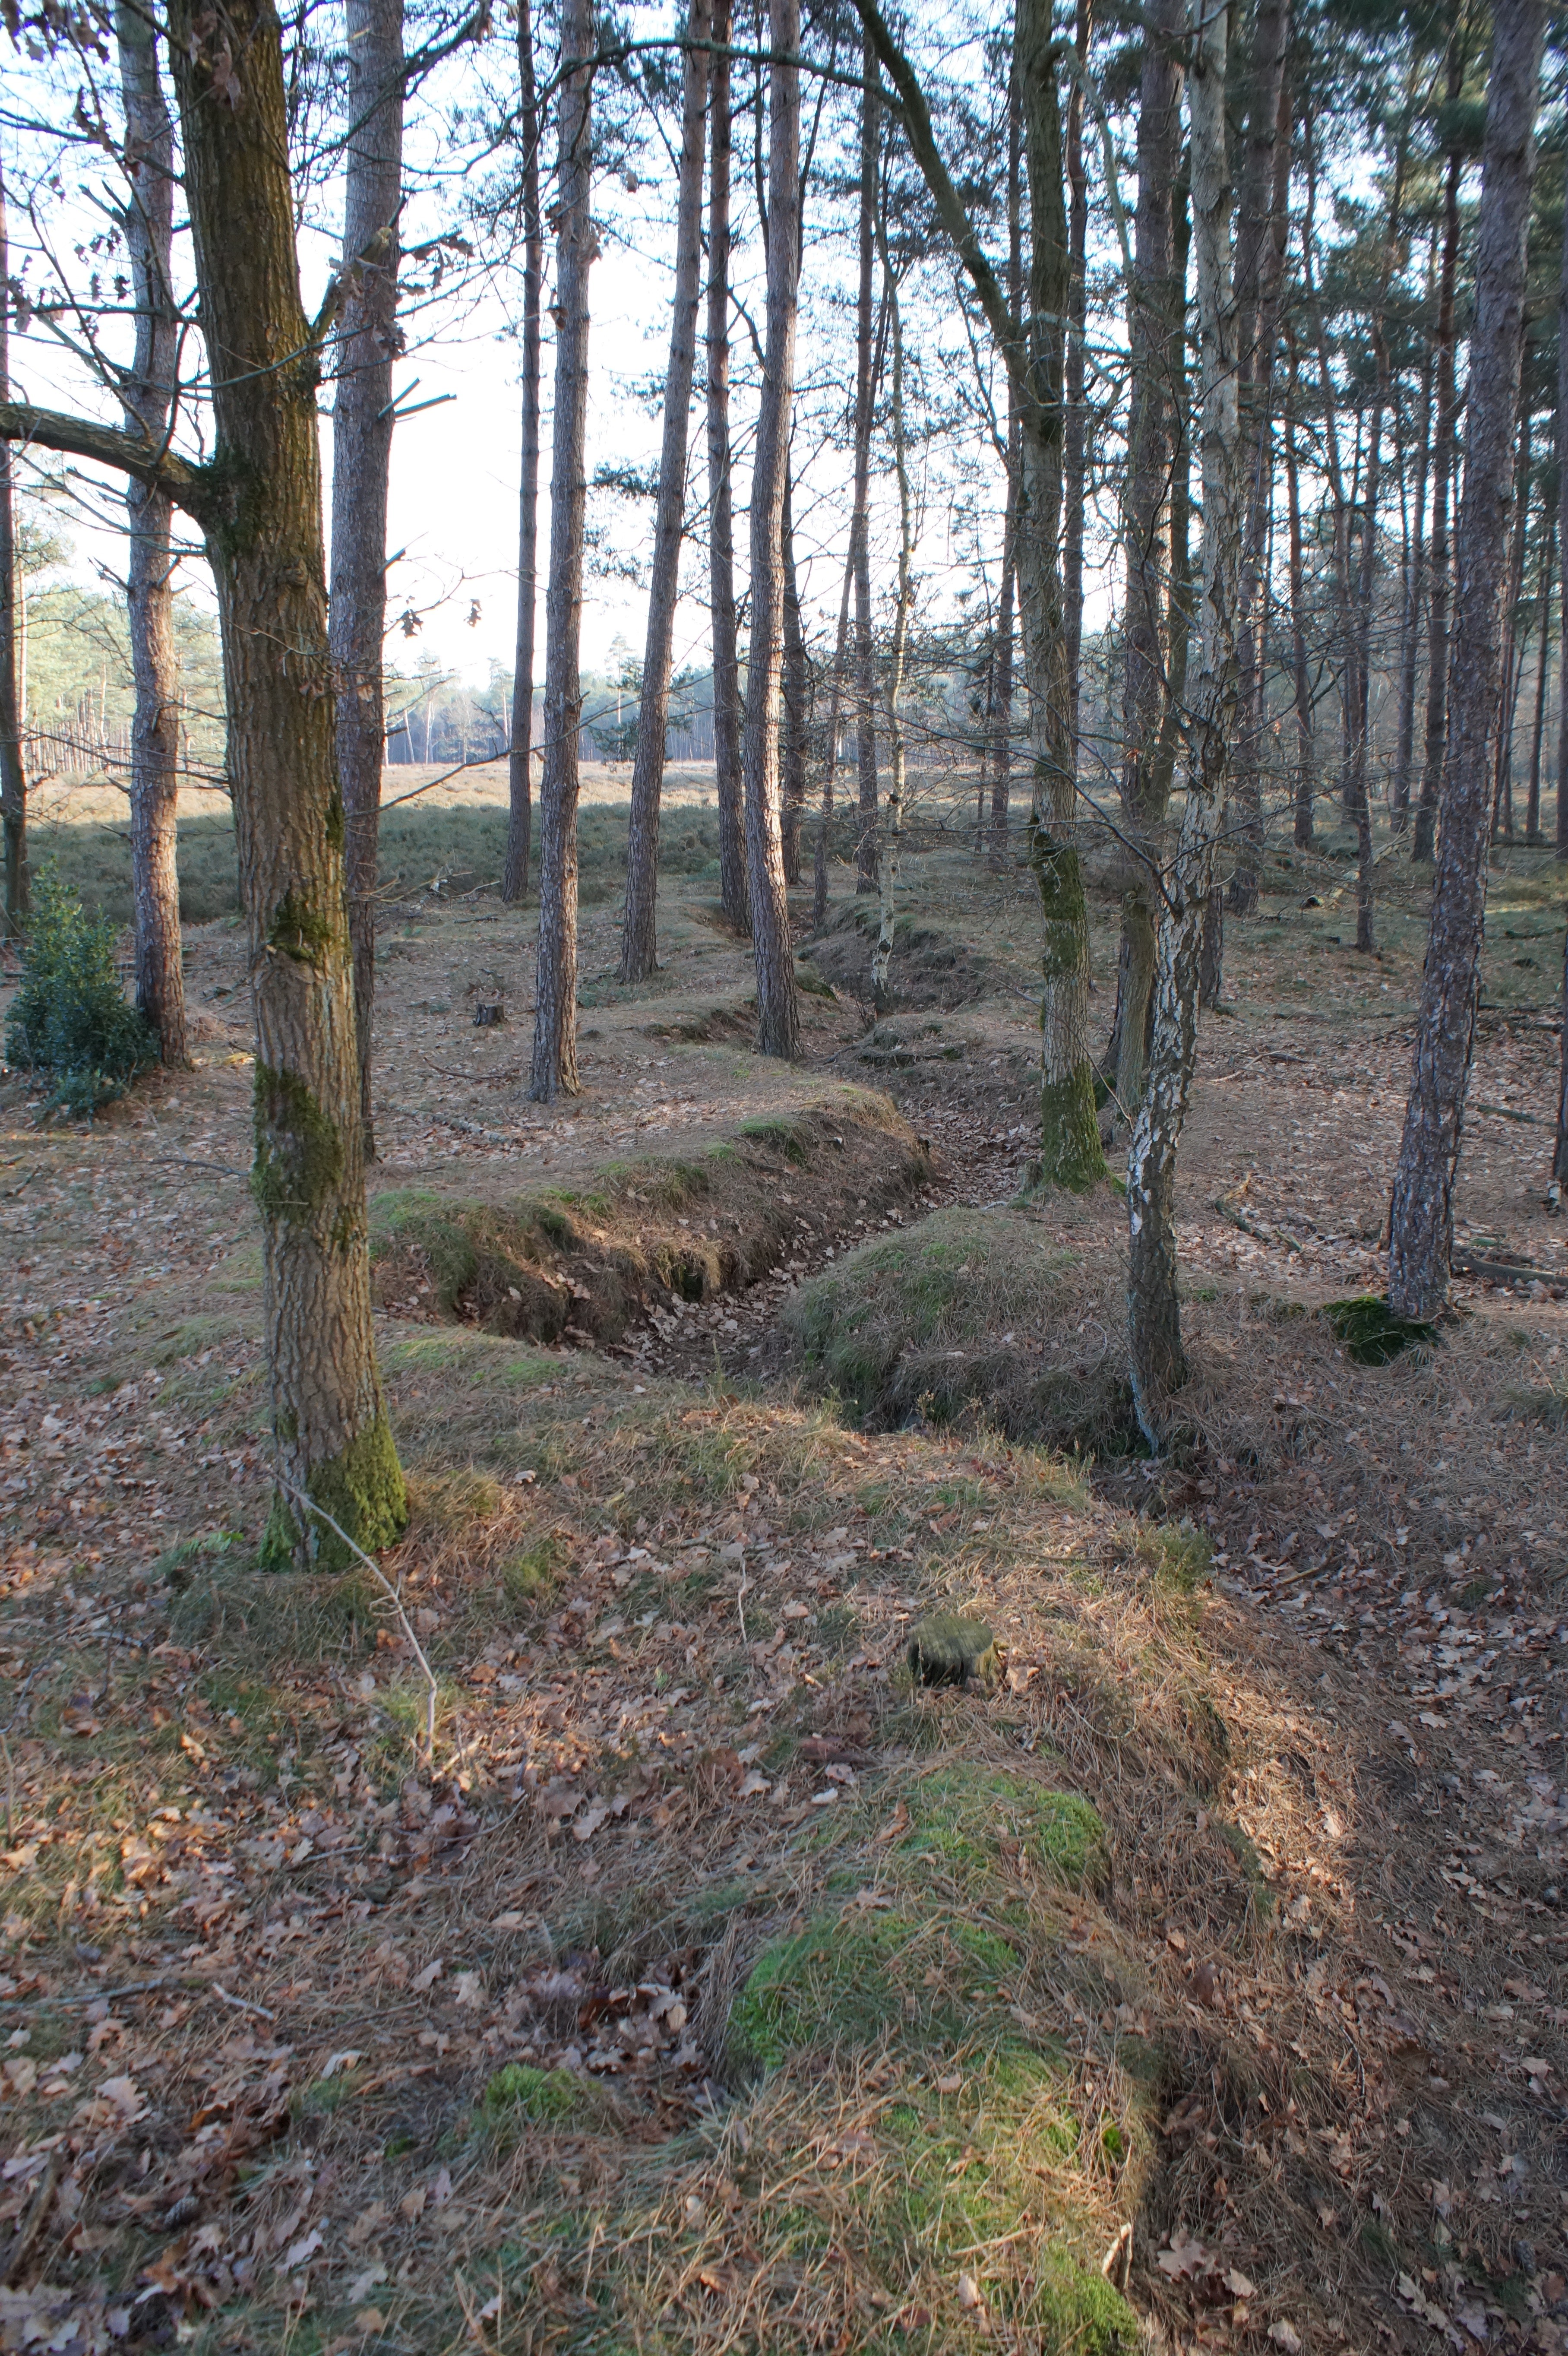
(713, 1986)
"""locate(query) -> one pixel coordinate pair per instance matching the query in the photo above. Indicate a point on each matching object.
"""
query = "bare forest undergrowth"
(711, 1988)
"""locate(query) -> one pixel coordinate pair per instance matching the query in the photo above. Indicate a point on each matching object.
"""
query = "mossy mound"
(521, 2094)
(972, 1316)
(962, 1814)
(1370, 1332)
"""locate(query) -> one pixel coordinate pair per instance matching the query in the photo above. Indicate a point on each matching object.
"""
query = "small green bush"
(70, 1017)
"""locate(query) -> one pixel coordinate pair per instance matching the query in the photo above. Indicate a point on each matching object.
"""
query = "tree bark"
(1410, 617)
(888, 846)
(1173, 716)
(639, 957)
(361, 460)
(720, 523)
(519, 761)
(1300, 676)
(13, 781)
(1076, 445)
(1261, 221)
(796, 700)
(554, 1066)
(1001, 666)
(1158, 1363)
(865, 396)
(1443, 471)
(1422, 1213)
(1533, 838)
(258, 500)
(1366, 590)
(147, 399)
(830, 750)
(1513, 652)
(777, 1016)
(1561, 441)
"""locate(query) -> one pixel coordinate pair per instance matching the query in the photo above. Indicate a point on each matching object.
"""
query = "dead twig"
(392, 1593)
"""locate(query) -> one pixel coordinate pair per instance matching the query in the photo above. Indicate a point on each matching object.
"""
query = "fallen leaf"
(755, 1782)
(363, 2283)
(370, 2318)
(427, 1979)
(298, 2252)
(469, 1987)
(1285, 2335)
(1181, 2260)
(969, 2292)
(1238, 2285)
(366, 2222)
(336, 2062)
(696, 2215)
(412, 2203)
(951, 2083)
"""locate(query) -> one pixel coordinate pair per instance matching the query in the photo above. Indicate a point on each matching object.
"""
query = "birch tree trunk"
(1159, 1362)
(147, 397)
(519, 762)
(865, 395)
(13, 781)
(554, 1066)
(721, 516)
(777, 1017)
(1443, 471)
(638, 937)
(1421, 1217)
(361, 459)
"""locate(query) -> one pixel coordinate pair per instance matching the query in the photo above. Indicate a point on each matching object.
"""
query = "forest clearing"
(1231, 1915)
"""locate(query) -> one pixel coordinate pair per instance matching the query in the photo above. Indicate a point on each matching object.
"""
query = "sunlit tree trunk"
(1532, 834)
(1561, 438)
(1158, 1363)
(638, 937)
(13, 782)
(720, 523)
(554, 1065)
(1301, 677)
(796, 701)
(520, 770)
(777, 1017)
(1420, 1219)
(830, 747)
(1409, 616)
(361, 461)
(147, 396)
(1001, 668)
(1076, 459)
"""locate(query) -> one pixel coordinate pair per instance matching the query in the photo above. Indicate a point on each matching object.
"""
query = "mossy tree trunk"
(361, 462)
(1154, 1319)
(1420, 1215)
(519, 760)
(554, 1070)
(778, 1021)
(639, 944)
(721, 511)
(263, 531)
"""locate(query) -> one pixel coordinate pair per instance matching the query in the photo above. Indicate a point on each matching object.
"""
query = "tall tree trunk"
(1365, 592)
(13, 781)
(1070, 1153)
(1410, 615)
(830, 751)
(1443, 473)
(888, 847)
(721, 525)
(1156, 325)
(796, 700)
(1420, 1219)
(361, 459)
(1076, 448)
(1300, 677)
(1001, 668)
(519, 761)
(1562, 441)
(1513, 650)
(777, 1014)
(148, 398)
(554, 1065)
(1261, 223)
(639, 957)
(865, 397)
(1560, 1147)
(1532, 834)
(1173, 716)
(1159, 1362)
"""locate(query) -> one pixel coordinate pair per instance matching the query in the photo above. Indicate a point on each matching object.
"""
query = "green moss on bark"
(299, 1153)
(300, 931)
(362, 1489)
(1070, 1153)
